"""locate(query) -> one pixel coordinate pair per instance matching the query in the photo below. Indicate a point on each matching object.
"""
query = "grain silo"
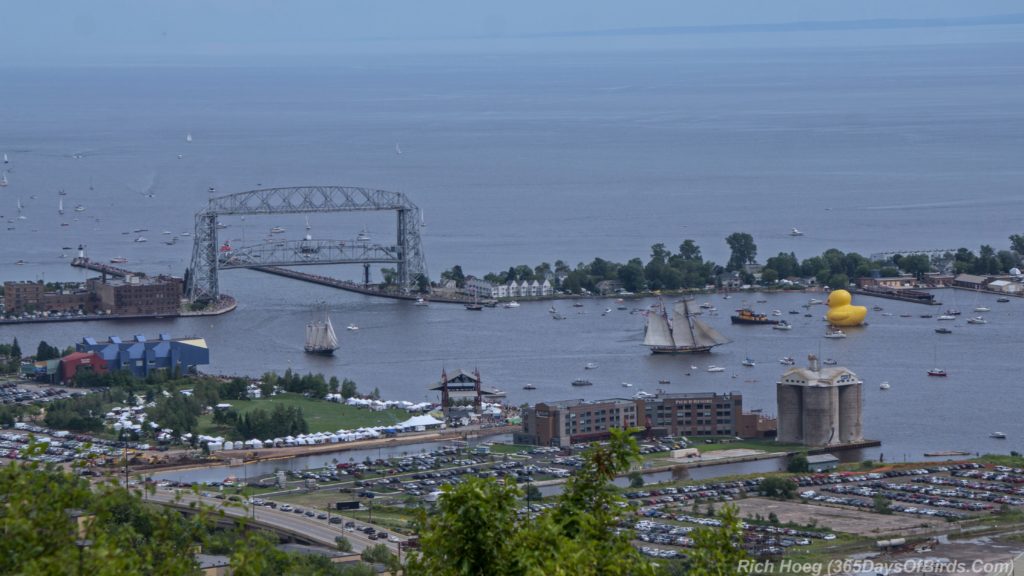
(819, 406)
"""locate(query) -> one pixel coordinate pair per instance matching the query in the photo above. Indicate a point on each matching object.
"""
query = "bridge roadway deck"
(288, 524)
(354, 287)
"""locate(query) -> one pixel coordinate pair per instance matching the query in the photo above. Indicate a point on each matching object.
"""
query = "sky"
(105, 32)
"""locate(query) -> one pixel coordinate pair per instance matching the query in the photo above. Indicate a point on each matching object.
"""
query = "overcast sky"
(246, 31)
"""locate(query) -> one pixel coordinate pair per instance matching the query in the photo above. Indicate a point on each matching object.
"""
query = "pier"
(81, 262)
(915, 296)
(367, 289)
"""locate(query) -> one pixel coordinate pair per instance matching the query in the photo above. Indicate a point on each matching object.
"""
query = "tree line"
(687, 269)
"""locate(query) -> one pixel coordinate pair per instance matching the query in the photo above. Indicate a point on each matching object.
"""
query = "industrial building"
(142, 356)
(694, 414)
(819, 406)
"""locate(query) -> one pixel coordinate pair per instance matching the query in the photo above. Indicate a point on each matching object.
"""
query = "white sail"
(332, 339)
(658, 331)
(682, 331)
(706, 335)
(60, 206)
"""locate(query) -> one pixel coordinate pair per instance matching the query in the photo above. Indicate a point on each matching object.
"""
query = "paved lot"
(837, 519)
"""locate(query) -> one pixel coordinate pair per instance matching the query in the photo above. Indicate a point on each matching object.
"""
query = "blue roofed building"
(142, 356)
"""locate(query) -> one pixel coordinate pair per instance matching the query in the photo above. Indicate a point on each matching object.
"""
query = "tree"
(916, 264)
(798, 463)
(778, 487)
(1017, 243)
(47, 352)
(636, 479)
(689, 251)
(348, 389)
(343, 544)
(477, 530)
(390, 276)
(769, 276)
(880, 504)
(743, 250)
(380, 554)
(718, 551)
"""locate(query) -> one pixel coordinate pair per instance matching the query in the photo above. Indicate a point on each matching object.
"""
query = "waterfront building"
(32, 297)
(460, 389)
(822, 463)
(138, 295)
(569, 422)
(819, 406)
(141, 356)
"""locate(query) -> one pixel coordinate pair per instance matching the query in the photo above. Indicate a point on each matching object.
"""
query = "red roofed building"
(71, 364)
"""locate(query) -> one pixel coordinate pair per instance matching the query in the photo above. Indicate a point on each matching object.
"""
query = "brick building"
(158, 295)
(688, 414)
(28, 297)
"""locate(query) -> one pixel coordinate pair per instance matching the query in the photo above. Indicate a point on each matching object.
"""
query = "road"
(288, 523)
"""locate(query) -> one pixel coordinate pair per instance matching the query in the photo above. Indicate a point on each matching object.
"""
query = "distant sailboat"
(20, 215)
(398, 150)
(423, 222)
(685, 334)
(320, 337)
(60, 206)
(188, 137)
(3, 179)
(6, 161)
(308, 227)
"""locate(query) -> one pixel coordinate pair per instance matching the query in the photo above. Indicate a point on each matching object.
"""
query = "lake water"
(518, 160)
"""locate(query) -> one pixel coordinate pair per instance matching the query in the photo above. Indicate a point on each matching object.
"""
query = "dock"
(914, 296)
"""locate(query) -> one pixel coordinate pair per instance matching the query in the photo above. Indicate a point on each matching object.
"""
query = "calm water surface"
(528, 159)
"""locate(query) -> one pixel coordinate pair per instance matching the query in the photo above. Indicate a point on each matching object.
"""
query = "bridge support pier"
(366, 274)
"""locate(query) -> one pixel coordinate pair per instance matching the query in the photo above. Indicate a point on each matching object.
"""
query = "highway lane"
(312, 529)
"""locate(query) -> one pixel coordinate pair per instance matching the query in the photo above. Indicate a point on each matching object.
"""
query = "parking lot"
(836, 518)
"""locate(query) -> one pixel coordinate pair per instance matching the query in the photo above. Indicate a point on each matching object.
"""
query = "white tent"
(425, 420)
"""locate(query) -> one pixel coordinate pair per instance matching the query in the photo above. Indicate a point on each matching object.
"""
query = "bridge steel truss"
(207, 259)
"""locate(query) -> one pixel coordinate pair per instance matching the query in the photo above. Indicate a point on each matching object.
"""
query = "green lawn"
(321, 415)
(497, 448)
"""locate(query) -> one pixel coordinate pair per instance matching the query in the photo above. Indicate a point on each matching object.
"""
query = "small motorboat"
(943, 331)
(997, 435)
(420, 302)
(713, 368)
(748, 361)
(937, 372)
(582, 382)
(529, 387)
(589, 366)
(946, 317)
(877, 308)
(833, 334)
(982, 309)
(977, 320)
(776, 312)
(512, 304)
(829, 362)
(787, 361)
(662, 381)
(795, 232)
(884, 386)
(627, 385)
(1002, 300)
(352, 327)
(782, 325)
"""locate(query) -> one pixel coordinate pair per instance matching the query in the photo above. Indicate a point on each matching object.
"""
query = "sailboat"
(20, 215)
(60, 206)
(188, 137)
(685, 334)
(3, 179)
(6, 161)
(308, 227)
(937, 371)
(398, 150)
(320, 337)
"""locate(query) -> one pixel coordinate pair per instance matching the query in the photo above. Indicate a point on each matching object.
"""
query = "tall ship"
(748, 316)
(685, 334)
(320, 337)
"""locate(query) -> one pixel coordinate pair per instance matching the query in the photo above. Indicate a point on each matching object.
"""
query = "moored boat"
(582, 382)
(320, 337)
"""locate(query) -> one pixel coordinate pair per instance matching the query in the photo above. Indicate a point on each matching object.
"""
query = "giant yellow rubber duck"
(841, 313)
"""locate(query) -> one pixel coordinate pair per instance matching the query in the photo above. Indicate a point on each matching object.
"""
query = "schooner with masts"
(683, 335)
(320, 337)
